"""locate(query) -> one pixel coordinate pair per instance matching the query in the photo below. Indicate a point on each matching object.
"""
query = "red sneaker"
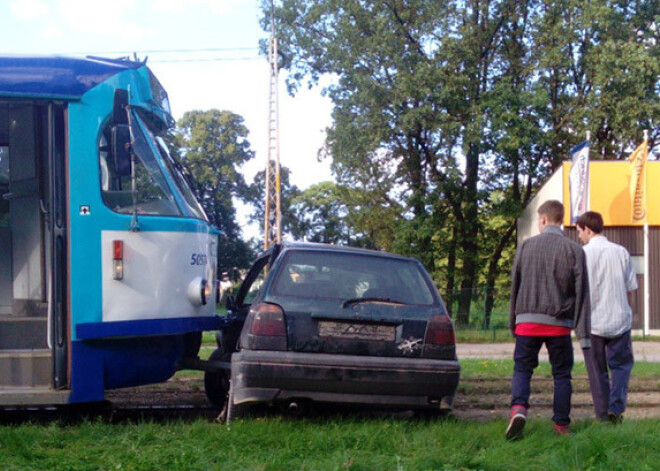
(517, 422)
(615, 419)
(562, 430)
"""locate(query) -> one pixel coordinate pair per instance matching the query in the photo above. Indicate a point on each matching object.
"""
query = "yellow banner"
(638, 182)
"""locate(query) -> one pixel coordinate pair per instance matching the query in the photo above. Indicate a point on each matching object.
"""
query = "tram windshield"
(161, 188)
(179, 173)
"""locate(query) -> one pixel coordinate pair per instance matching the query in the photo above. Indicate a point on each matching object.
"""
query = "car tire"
(216, 383)
(236, 411)
(431, 414)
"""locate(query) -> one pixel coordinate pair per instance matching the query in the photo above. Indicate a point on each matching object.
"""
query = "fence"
(481, 324)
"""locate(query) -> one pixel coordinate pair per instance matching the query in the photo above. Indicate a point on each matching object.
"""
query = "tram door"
(33, 336)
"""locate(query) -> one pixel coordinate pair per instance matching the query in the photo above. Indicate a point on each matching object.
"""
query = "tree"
(321, 215)
(214, 145)
(288, 192)
(411, 80)
(465, 107)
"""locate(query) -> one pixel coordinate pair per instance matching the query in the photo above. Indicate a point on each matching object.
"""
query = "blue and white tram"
(107, 261)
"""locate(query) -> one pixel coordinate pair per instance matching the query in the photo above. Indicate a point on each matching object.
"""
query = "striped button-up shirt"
(611, 277)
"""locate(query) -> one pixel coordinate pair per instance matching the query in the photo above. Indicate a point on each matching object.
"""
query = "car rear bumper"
(267, 376)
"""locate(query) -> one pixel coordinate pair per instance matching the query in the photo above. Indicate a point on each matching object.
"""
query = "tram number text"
(198, 259)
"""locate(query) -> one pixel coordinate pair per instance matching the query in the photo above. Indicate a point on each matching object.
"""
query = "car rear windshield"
(344, 276)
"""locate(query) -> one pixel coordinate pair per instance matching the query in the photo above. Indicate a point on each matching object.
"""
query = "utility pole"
(272, 209)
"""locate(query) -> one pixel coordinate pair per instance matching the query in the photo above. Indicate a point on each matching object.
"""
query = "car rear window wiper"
(349, 302)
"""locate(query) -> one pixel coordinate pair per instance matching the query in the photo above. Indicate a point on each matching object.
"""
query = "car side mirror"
(120, 148)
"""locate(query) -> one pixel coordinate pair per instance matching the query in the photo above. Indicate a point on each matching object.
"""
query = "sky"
(204, 53)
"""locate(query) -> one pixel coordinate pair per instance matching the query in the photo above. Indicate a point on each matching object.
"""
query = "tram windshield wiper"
(350, 302)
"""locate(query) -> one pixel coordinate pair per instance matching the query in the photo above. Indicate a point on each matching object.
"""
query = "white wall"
(528, 220)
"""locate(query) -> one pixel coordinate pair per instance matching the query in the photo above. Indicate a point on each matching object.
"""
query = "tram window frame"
(4, 184)
(4, 163)
(155, 197)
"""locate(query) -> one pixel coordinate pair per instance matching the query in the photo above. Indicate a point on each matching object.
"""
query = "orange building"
(609, 194)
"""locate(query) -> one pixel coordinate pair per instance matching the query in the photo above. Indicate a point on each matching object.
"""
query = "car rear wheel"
(216, 383)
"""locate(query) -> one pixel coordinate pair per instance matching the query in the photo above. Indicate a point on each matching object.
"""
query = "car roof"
(315, 246)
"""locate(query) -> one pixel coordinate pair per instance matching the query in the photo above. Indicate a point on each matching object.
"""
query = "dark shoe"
(516, 423)
(614, 418)
(562, 430)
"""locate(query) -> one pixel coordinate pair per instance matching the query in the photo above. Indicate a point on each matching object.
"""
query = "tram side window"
(153, 194)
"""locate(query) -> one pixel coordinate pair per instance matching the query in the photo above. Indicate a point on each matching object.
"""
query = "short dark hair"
(554, 210)
(592, 220)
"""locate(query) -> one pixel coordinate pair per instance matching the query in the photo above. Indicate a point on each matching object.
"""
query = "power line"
(217, 59)
(166, 51)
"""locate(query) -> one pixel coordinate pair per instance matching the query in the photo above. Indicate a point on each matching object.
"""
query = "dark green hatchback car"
(333, 324)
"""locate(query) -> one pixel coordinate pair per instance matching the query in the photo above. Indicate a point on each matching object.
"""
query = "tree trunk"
(451, 272)
(493, 271)
(470, 232)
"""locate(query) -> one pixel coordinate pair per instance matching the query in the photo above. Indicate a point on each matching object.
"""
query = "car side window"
(255, 287)
(253, 282)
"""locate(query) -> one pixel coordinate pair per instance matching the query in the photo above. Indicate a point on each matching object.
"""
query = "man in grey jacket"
(549, 298)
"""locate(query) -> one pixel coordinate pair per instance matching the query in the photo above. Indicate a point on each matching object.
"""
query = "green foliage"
(256, 196)
(448, 116)
(213, 144)
(321, 215)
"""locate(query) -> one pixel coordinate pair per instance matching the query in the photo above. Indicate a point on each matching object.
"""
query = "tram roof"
(57, 76)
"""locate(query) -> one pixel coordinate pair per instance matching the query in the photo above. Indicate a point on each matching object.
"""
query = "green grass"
(482, 368)
(330, 444)
(208, 339)
(478, 335)
(499, 334)
(338, 442)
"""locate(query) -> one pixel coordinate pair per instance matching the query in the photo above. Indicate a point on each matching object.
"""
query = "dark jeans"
(615, 354)
(526, 358)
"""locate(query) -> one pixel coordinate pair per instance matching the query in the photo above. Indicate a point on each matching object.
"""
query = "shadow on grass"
(321, 413)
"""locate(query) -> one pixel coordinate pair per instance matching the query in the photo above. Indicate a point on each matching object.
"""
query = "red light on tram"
(117, 259)
(117, 250)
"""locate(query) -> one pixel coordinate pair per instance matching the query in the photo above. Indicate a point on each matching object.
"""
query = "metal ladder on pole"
(272, 208)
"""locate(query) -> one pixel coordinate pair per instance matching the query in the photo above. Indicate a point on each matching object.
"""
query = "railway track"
(184, 399)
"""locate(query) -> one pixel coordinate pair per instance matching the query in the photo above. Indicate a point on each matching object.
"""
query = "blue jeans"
(615, 354)
(526, 358)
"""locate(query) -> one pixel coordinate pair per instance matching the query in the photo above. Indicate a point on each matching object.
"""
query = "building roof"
(56, 76)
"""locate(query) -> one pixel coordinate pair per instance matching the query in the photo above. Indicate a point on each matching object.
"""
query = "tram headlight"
(199, 291)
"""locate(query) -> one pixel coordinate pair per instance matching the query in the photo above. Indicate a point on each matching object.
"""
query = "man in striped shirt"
(611, 278)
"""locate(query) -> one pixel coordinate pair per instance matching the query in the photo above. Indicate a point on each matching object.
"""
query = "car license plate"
(351, 331)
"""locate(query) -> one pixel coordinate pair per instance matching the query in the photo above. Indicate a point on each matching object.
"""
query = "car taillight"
(440, 331)
(267, 329)
(440, 340)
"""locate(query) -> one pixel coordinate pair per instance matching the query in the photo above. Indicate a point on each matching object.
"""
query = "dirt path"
(487, 399)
